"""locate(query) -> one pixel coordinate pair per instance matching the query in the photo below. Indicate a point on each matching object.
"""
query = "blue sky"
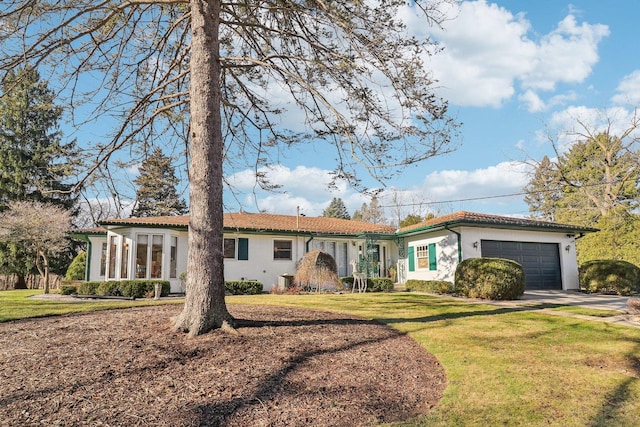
(510, 70)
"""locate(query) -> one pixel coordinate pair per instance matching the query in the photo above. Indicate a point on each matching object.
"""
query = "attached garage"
(546, 250)
(540, 261)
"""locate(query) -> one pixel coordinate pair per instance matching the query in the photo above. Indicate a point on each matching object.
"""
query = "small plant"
(68, 290)
(76, 270)
(633, 304)
(431, 286)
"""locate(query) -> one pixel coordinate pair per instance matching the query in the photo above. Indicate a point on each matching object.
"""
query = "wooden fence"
(33, 281)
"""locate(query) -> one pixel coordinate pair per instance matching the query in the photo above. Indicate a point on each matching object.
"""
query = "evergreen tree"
(35, 165)
(336, 209)
(410, 219)
(156, 194)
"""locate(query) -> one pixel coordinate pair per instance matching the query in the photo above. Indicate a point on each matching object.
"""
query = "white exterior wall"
(446, 256)
(95, 258)
(447, 250)
(260, 266)
(568, 259)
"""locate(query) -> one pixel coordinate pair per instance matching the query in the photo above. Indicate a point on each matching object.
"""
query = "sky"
(514, 72)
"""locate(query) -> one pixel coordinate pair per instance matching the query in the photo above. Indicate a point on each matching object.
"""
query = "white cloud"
(575, 120)
(440, 192)
(532, 102)
(488, 51)
(628, 91)
(458, 185)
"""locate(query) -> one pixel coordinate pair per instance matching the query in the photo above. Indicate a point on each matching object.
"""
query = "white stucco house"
(266, 247)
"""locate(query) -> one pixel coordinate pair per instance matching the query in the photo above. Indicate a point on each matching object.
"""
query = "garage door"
(541, 261)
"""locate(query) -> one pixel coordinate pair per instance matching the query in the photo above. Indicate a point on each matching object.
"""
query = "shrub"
(609, 276)
(110, 289)
(432, 286)
(88, 288)
(126, 288)
(374, 284)
(77, 267)
(68, 290)
(489, 278)
(243, 287)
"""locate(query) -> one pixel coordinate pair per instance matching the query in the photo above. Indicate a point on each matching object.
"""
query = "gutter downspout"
(446, 227)
(306, 244)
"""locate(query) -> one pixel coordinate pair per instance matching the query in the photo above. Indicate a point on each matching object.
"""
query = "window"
(156, 257)
(124, 265)
(282, 249)
(103, 259)
(422, 253)
(142, 246)
(229, 248)
(113, 249)
(425, 255)
(173, 255)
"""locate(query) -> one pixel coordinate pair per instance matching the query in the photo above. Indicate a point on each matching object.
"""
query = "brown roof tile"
(472, 218)
(266, 222)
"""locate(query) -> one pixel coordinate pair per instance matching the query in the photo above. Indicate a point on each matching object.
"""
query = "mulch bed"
(286, 367)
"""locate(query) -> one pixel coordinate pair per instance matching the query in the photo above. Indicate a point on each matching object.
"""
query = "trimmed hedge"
(489, 278)
(243, 287)
(609, 276)
(124, 288)
(431, 286)
(374, 284)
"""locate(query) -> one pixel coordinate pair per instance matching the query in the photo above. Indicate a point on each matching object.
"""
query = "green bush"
(110, 288)
(431, 286)
(76, 270)
(609, 276)
(68, 290)
(489, 278)
(243, 287)
(88, 288)
(374, 284)
(126, 288)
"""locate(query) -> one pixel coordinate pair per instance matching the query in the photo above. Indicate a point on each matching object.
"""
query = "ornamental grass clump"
(610, 277)
(489, 278)
(317, 270)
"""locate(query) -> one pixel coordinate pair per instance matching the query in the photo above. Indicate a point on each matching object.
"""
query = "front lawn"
(508, 367)
(504, 366)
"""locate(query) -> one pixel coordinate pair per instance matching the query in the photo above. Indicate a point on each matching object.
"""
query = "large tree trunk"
(204, 307)
(20, 283)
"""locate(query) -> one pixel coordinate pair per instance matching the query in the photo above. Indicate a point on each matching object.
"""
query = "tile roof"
(478, 219)
(265, 222)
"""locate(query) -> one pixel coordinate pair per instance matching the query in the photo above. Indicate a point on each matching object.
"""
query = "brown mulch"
(286, 367)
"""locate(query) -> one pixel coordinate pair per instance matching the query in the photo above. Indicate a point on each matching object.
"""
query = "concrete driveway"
(603, 302)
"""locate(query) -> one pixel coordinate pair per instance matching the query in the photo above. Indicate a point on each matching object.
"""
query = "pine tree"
(35, 165)
(157, 194)
(336, 209)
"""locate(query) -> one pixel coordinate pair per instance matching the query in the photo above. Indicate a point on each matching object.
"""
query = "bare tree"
(219, 77)
(41, 229)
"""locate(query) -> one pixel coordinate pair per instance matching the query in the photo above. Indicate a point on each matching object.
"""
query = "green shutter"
(412, 262)
(432, 257)
(243, 249)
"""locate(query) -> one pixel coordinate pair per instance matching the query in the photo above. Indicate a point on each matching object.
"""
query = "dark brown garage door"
(541, 261)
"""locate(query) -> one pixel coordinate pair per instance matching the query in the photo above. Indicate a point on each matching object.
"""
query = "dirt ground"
(286, 367)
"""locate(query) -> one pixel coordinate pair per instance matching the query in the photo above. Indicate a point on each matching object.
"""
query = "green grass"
(16, 305)
(505, 366)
